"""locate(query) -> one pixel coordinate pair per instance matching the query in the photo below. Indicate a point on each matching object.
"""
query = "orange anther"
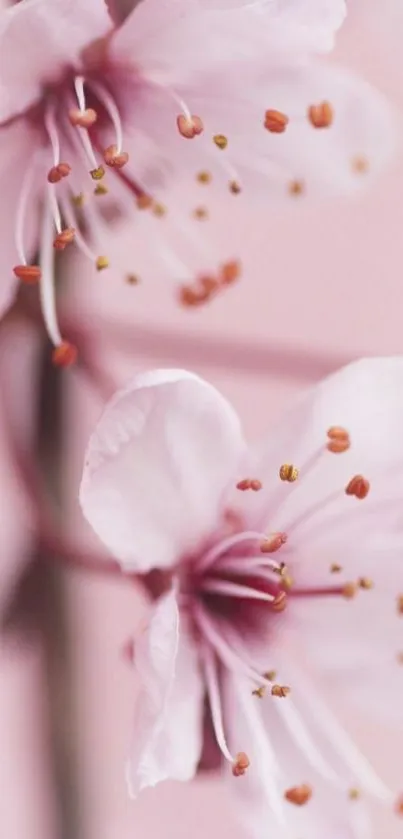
(275, 121)
(240, 765)
(64, 355)
(189, 126)
(29, 274)
(273, 543)
(84, 119)
(65, 237)
(298, 795)
(321, 116)
(114, 158)
(358, 486)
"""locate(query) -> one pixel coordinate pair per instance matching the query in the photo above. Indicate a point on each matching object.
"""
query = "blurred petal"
(38, 39)
(168, 725)
(157, 467)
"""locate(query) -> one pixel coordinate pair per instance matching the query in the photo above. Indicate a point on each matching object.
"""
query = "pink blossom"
(276, 583)
(142, 96)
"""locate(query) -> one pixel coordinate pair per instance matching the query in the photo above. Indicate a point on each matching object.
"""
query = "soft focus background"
(322, 285)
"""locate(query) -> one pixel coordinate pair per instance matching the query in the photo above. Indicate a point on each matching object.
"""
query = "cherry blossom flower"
(103, 106)
(277, 560)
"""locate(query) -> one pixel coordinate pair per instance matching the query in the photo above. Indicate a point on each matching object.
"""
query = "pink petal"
(310, 22)
(365, 398)
(167, 736)
(157, 466)
(277, 764)
(38, 40)
(172, 43)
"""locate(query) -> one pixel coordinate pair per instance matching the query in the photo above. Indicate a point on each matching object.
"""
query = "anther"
(275, 121)
(358, 486)
(280, 690)
(221, 141)
(365, 583)
(296, 187)
(101, 189)
(132, 279)
(259, 692)
(98, 173)
(321, 116)
(144, 201)
(360, 165)
(288, 472)
(200, 213)
(335, 568)
(279, 602)
(203, 177)
(102, 262)
(158, 209)
(115, 158)
(56, 173)
(399, 657)
(249, 483)
(29, 274)
(353, 794)
(270, 675)
(78, 200)
(399, 806)
(339, 439)
(83, 119)
(349, 590)
(230, 271)
(400, 604)
(64, 354)
(298, 795)
(65, 237)
(189, 126)
(273, 543)
(240, 765)
(235, 187)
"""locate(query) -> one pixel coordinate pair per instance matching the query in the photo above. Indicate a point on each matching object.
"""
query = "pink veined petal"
(340, 159)
(38, 39)
(167, 736)
(158, 466)
(277, 764)
(365, 398)
(173, 43)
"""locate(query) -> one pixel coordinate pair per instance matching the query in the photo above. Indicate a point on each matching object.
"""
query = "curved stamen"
(79, 238)
(230, 658)
(22, 209)
(54, 208)
(232, 589)
(47, 287)
(213, 691)
(217, 550)
(112, 110)
(51, 128)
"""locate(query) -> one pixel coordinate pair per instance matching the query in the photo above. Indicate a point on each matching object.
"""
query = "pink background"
(321, 285)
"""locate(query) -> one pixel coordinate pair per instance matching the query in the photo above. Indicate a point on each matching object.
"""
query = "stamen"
(56, 173)
(296, 187)
(400, 604)
(65, 237)
(83, 119)
(273, 543)
(358, 486)
(259, 692)
(226, 650)
(335, 568)
(235, 187)
(29, 274)
(230, 271)
(288, 472)
(360, 165)
(299, 795)
(321, 116)
(113, 112)
(280, 691)
(249, 483)
(189, 125)
(66, 353)
(53, 134)
(275, 121)
(221, 141)
(200, 213)
(240, 763)
(232, 589)
(226, 544)
(114, 158)
(21, 215)
(204, 177)
(365, 583)
(279, 602)
(99, 261)
(339, 440)
(353, 794)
